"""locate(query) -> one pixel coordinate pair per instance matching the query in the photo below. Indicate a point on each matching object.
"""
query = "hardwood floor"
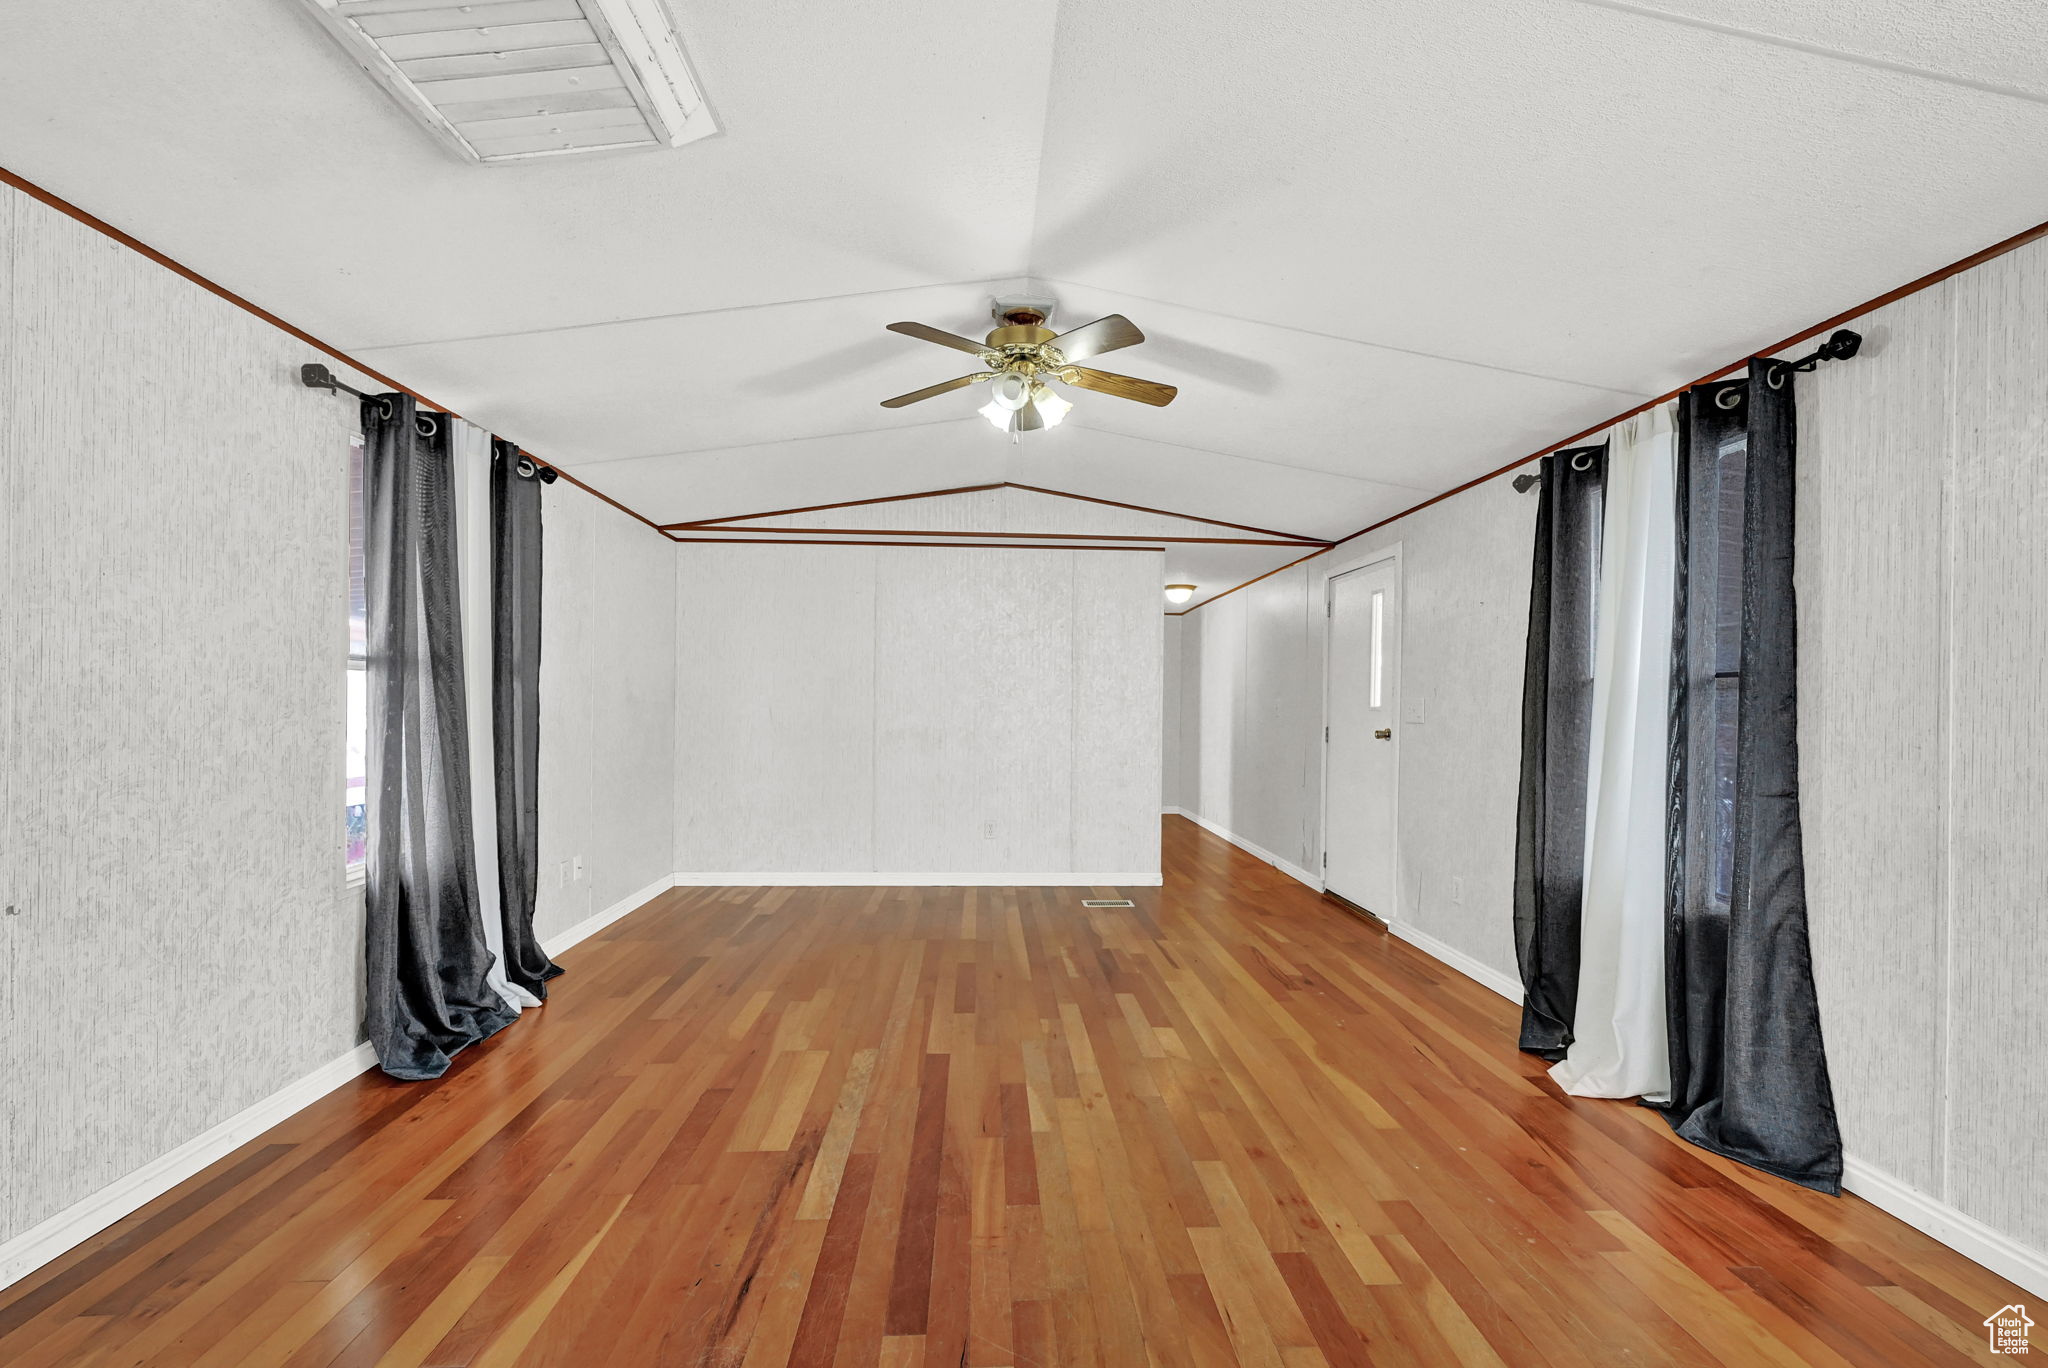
(1232, 1124)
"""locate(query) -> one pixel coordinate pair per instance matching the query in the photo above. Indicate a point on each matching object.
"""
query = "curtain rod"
(314, 375)
(1840, 346)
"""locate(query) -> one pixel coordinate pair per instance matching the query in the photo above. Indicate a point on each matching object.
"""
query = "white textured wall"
(173, 636)
(1252, 699)
(608, 707)
(1170, 743)
(1923, 542)
(173, 639)
(1923, 583)
(866, 709)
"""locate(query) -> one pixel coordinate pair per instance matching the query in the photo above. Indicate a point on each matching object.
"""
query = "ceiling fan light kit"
(1179, 593)
(1022, 354)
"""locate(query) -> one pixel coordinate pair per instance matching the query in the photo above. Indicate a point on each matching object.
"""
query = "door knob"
(1384, 734)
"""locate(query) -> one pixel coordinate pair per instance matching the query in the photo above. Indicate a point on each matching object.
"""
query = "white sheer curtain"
(469, 448)
(1619, 1027)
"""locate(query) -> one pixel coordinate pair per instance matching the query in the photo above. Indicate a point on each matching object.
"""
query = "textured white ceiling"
(1382, 247)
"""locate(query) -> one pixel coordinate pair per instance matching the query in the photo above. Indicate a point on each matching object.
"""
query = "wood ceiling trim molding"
(939, 545)
(820, 508)
(1037, 536)
(1248, 583)
(101, 226)
(1268, 535)
(1293, 537)
(1912, 287)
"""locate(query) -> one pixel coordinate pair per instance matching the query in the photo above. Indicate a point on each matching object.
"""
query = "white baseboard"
(1286, 867)
(1506, 985)
(598, 921)
(1477, 970)
(1968, 1236)
(754, 878)
(80, 1221)
(1965, 1234)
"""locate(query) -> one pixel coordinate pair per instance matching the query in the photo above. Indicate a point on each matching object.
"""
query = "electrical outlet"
(1412, 710)
(988, 831)
(1457, 889)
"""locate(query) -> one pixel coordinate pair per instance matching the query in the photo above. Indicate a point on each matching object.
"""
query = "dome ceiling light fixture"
(1179, 593)
(1023, 354)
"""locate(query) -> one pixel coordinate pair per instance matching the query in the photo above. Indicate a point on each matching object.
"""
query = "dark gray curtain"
(1749, 1075)
(426, 956)
(515, 702)
(1557, 710)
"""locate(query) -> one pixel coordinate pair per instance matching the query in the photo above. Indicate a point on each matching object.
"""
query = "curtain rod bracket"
(314, 375)
(1840, 346)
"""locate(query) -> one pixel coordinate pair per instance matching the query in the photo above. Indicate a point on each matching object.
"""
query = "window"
(355, 798)
(1731, 467)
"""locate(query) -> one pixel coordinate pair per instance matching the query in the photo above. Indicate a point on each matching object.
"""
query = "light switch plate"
(1412, 710)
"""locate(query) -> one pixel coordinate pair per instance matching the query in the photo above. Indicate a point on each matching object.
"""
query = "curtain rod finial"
(1841, 345)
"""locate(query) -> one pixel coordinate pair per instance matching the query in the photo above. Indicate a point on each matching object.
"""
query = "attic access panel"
(511, 80)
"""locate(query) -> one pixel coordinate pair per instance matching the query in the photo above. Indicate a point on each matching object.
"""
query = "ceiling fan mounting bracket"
(1023, 311)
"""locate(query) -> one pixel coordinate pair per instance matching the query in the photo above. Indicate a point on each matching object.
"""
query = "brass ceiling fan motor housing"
(1021, 328)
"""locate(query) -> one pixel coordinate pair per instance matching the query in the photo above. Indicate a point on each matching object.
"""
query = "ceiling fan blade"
(926, 333)
(1093, 339)
(1122, 386)
(931, 391)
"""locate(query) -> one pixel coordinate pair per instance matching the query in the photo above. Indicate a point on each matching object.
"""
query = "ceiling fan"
(1023, 354)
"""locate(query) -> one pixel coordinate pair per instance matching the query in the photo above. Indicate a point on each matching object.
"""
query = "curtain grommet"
(1728, 396)
(1583, 461)
(526, 468)
(1775, 376)
(425, 425)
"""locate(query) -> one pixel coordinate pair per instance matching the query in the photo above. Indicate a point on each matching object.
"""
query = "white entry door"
(1364, 736)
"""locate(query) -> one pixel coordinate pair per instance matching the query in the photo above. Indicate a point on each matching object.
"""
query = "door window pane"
(1378, 641)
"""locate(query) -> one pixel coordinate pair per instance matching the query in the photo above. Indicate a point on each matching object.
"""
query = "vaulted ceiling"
(1381, 245)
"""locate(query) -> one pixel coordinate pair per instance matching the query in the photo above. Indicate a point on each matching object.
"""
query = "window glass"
(1731, 466)
(355, 798)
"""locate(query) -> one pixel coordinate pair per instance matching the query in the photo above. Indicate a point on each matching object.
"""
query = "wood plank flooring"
(988, 1127)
